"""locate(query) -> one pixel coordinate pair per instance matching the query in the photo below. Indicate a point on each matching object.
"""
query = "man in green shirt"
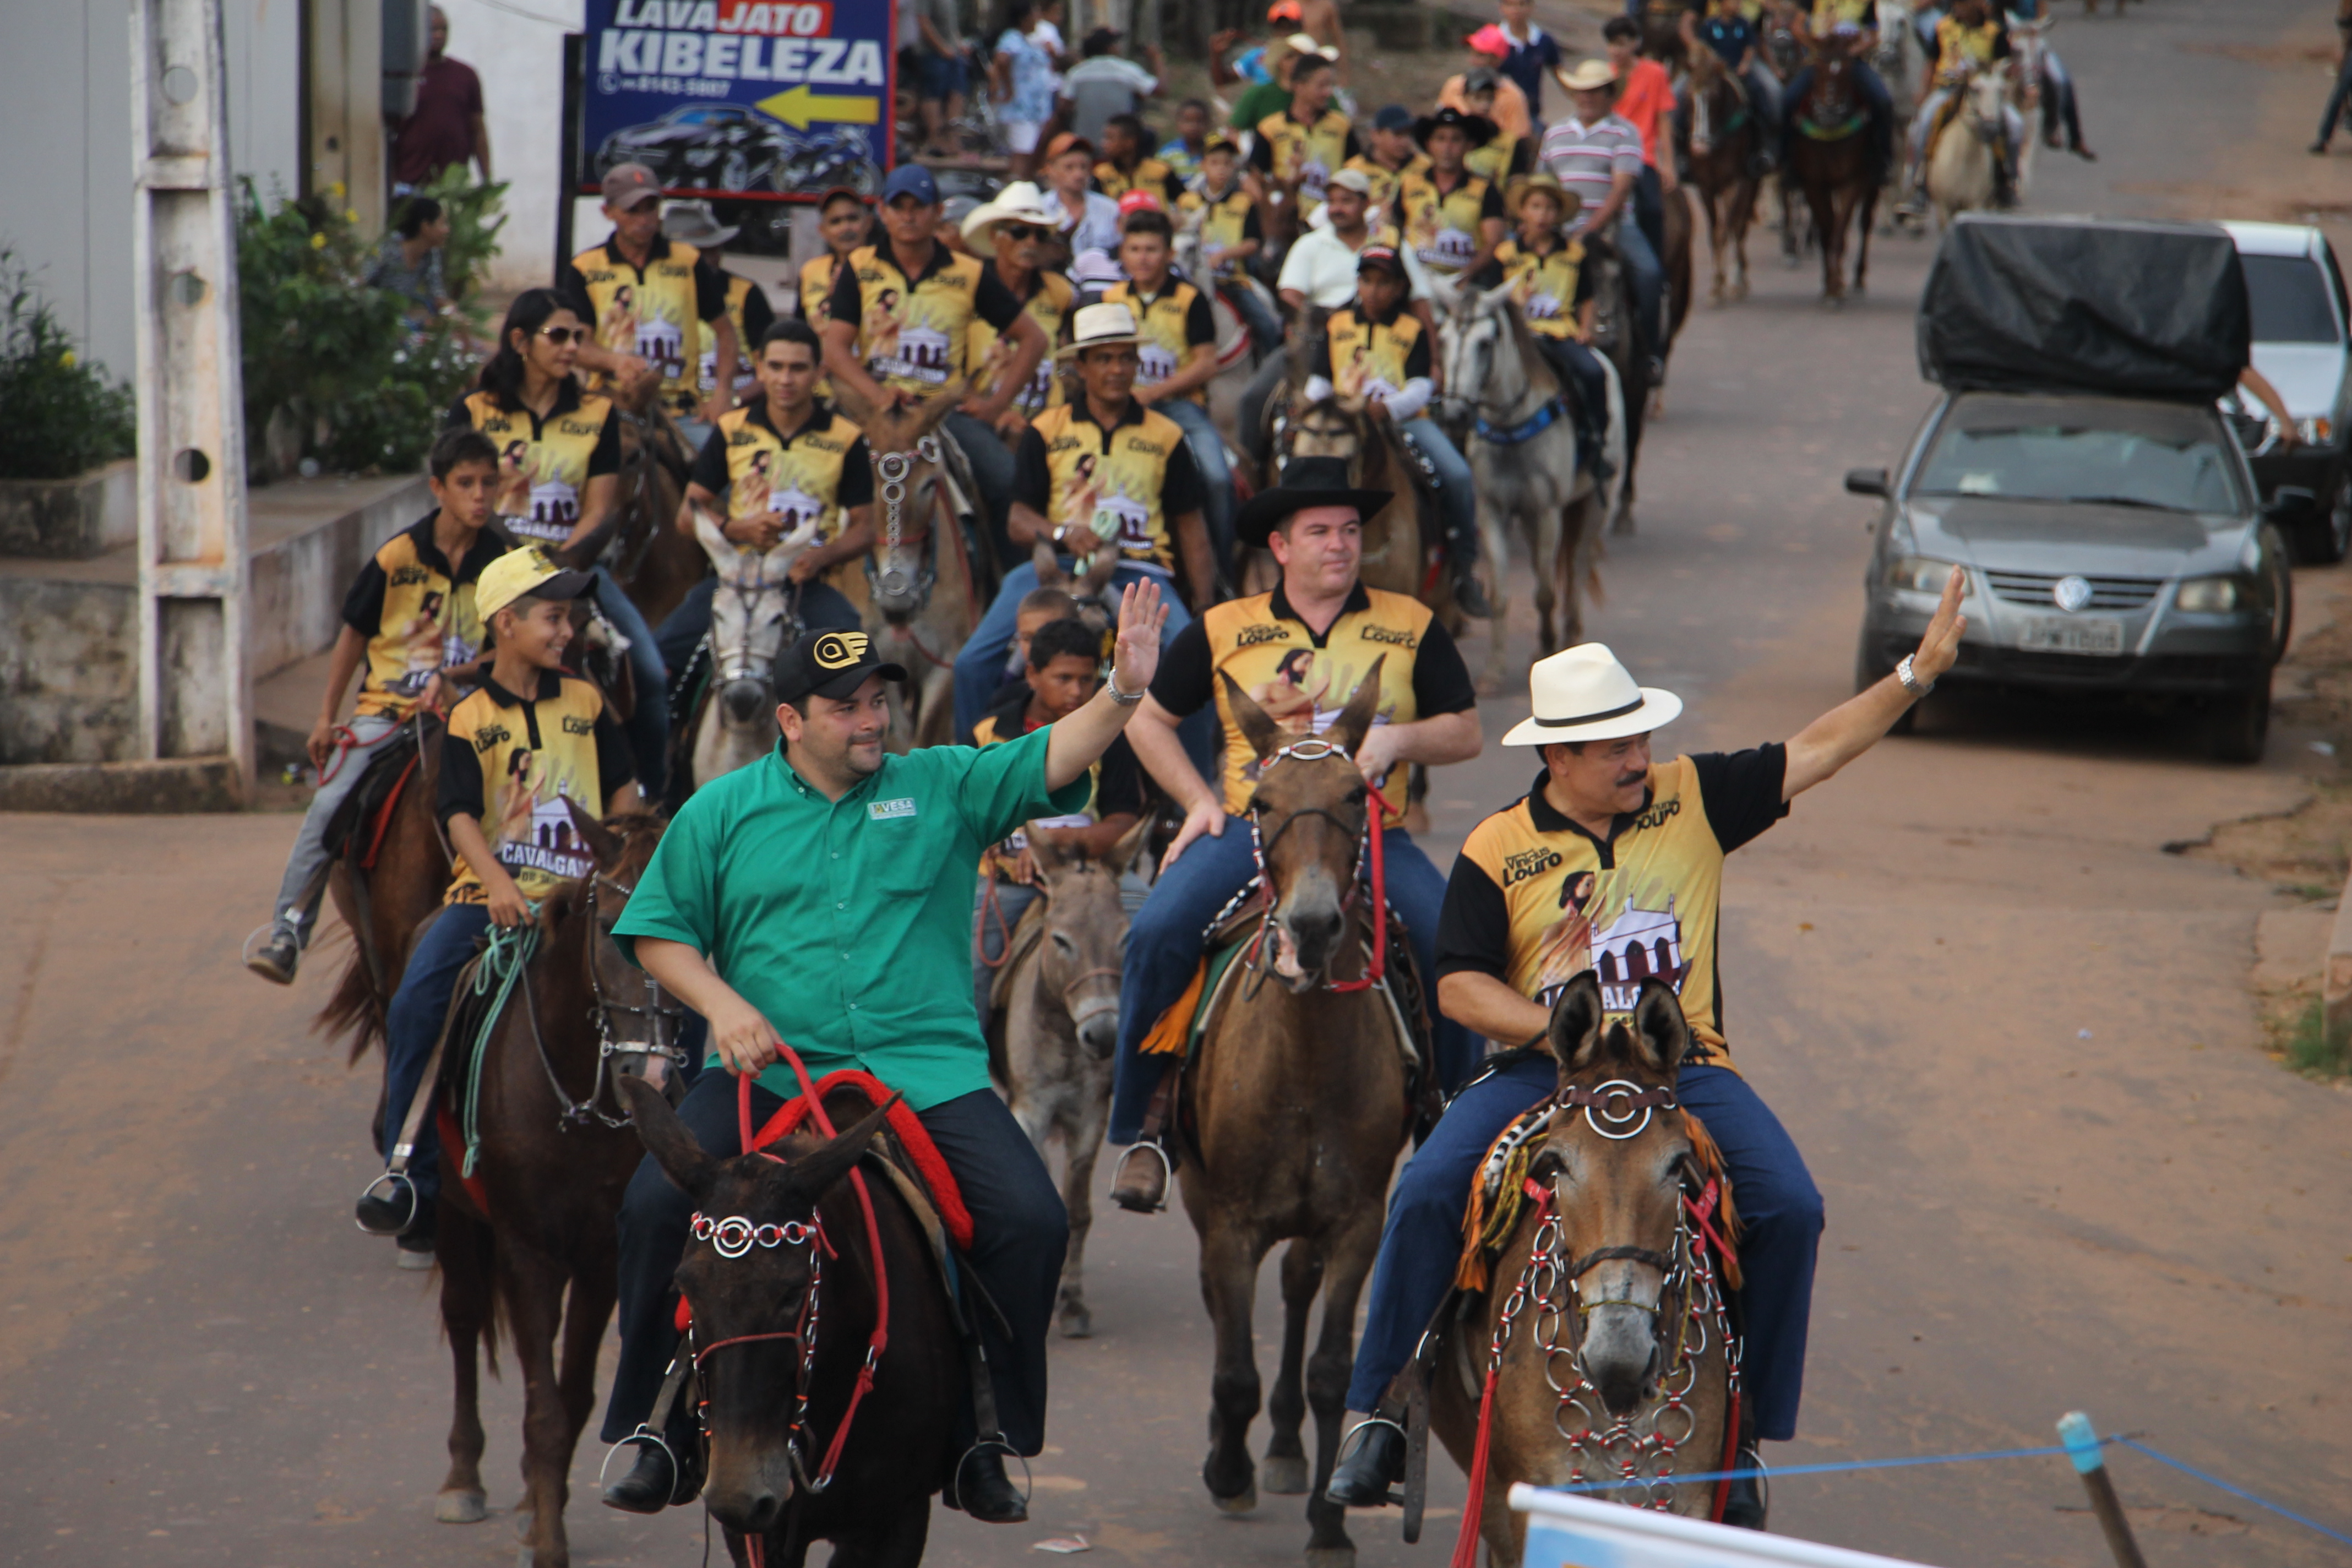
(824, 896)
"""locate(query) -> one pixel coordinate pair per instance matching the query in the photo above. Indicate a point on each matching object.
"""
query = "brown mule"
(1293, 1112)
(531, 1239)
(1831, 159)
(1616, 1347)
(1725, 138)
(384, 887)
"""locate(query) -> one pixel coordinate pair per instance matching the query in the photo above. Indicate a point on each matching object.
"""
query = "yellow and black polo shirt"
(1534, 900)
(1228, 220)
(911, 332)
(823, 467)
(1363, 353)
(1551, 284)
(1171, 324)
(1500, 159)
(748, 308)
(512, 762)
(1152, 174)
(1051, 296)
(1286, 150)
(1382, 178)
(1115, 780)
(655, 312)
(416, 611)
(1264, 645)
(1828, 13)
(1128, 482)
(1960, 49)
(1441, 226)
(544, 465)
(819, 275)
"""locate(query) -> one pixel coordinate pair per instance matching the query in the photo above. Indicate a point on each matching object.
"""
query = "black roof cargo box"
(2129, 309)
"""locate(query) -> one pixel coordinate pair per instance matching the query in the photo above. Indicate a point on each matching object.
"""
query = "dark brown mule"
(1294, 1110)
(383, 887)
(1615, 1336)
(537, 1219)
(1831, 157)
(1724, 139)
(776, 1320)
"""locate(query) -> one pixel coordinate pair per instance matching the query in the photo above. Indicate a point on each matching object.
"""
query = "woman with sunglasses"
(560, 468)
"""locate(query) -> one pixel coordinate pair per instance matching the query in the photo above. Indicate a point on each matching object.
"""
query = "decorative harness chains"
(1372, 887)
(666, 1023)
(893, 468)
(731, 1239)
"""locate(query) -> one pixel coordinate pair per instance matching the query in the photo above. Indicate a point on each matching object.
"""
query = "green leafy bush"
(474, 224)
(60, 413)
(360, 383)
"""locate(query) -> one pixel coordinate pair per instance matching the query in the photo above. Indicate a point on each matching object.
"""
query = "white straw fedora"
(1098, 327)
(1584, 694)
(1020, 201)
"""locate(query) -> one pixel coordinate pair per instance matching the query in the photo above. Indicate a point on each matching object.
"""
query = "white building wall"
(65, 108)
(515, 47)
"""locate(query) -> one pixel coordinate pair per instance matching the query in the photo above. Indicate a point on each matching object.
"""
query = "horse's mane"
(1534, 364)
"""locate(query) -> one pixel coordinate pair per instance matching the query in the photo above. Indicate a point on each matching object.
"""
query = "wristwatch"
(1910, 681)
(1124, 699)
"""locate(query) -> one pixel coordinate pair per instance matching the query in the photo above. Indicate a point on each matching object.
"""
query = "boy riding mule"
(411, 632)
(823, 897)
(1614, 865)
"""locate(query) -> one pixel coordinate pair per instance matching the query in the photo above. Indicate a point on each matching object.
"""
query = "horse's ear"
(715, 543)
(1258, 726)
(1049, 856)
(938, 406)
(666, 1139)
(854, 407)
(817, 1171)
(1575, 1032)
(1355, 720)
(1659, 1030)
(1130, 844)
(607, 846)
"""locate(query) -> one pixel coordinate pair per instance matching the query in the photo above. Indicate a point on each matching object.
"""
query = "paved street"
(2014, 1038)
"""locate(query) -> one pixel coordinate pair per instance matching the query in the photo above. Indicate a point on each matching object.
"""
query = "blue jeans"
(979, 667)
(648, 724)
(1209, 452)
(1779, 1209)
(991, 470)
(1646, 278)
(1457, 496)
(1020, 1233)
(1579, 369)
(1264, 324)
(413, 1023)
(2328, 119)
(1165, 943)
(306, 865)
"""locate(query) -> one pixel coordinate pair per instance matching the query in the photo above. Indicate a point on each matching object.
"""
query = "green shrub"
(60, 413)
(474, 224)
(363, 384)
(2309, 1050)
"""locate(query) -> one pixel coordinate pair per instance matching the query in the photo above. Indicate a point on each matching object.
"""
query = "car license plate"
(2072, 634)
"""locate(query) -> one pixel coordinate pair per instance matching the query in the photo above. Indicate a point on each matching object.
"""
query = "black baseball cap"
(830, 664)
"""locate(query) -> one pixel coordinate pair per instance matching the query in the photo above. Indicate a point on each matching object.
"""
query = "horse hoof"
(1330, 1557)
(1246, 1503)
(461, 1508)
(523, 1527)
(1077, 1324)
(1284, 1475)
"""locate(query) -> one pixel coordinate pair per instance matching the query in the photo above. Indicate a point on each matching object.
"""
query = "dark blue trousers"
(1780, 1210)
(1020, 1232)
(414, 1022)
(1165, 943)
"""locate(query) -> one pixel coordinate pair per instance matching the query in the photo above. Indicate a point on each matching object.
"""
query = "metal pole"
(2082, 1442)
(575, 62)
(195, 693)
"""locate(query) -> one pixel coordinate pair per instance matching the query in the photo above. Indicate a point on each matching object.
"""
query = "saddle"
(355, 832)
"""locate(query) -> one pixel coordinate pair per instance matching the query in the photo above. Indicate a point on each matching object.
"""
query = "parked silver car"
(2303, 344)
(2113, 546)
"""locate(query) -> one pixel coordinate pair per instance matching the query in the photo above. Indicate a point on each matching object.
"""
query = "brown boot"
(1140, 1183)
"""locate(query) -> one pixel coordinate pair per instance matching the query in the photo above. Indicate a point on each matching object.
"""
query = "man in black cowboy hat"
(1300, 652)
(1452, 219)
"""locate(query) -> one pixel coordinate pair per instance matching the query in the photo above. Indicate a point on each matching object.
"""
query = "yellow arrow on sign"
(800, 106)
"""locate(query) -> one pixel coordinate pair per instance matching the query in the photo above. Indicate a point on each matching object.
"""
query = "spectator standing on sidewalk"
(939, 71)
(2334, 115)
(1106, 85)
(446, 129)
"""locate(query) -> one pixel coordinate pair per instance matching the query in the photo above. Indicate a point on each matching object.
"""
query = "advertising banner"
(1565, 1531)
(734, 100)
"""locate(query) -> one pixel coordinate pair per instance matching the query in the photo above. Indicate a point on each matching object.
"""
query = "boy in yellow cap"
(523, 752)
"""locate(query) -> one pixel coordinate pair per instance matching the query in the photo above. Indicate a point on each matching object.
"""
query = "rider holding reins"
(1972, 40)
(1614, 862)
(823, 897)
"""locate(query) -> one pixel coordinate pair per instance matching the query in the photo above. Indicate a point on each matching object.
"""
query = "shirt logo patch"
(1250, 636)
(890, 810)
(839, 650)
(1388, 634)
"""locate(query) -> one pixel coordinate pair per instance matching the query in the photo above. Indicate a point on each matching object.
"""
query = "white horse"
(1499, 384)
(751, 615)
(1961, 167)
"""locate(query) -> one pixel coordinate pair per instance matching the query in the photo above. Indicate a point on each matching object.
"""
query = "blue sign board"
(759, 100)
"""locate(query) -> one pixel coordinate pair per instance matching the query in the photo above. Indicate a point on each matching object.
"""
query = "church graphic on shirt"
(1637, 945)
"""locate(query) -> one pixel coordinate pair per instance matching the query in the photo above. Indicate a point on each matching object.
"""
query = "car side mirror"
(2290, 501)
(1865, 481)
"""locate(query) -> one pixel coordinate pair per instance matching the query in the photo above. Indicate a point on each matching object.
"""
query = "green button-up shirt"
(849, 923)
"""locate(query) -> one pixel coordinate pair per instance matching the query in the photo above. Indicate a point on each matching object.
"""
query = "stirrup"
(396, 1187)
(645, 1436)
(981, 1446)
(1353, 1438)
(1167, 1172)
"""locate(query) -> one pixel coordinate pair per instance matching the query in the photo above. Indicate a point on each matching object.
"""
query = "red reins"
(1375, 836)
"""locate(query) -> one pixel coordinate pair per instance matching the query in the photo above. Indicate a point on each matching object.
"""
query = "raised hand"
(1142, 616)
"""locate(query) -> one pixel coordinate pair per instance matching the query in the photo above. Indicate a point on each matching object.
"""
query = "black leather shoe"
(1744, 1508)
(983, 1490)
(1139, 1185)
(387, 1208)
(1471, 599)
(646, 1488)
(277, 959)
(1362, 1479)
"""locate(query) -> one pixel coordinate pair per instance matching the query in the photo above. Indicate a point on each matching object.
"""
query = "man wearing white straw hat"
(1608, 862)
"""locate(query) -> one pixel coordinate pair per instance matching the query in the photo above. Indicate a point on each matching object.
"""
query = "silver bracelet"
(1110, 684)
(1911, 681)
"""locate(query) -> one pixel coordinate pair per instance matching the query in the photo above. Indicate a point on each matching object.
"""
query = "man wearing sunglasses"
(1016, 233)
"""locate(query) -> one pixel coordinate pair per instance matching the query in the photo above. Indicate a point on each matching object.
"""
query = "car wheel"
(2326, 538)
(1869, 669)
(2281, 570)
(2238, 724)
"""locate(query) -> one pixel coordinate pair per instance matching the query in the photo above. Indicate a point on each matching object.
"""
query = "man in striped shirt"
(1597, 153)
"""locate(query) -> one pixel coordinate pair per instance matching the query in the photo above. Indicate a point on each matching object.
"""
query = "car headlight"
(2212, 595)
(1918, 574)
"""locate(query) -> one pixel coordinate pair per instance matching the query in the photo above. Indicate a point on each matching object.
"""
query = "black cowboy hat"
(1478, 127)
(1307, 481)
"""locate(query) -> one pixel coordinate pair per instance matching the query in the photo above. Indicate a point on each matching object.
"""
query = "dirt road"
(2014, 1038)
